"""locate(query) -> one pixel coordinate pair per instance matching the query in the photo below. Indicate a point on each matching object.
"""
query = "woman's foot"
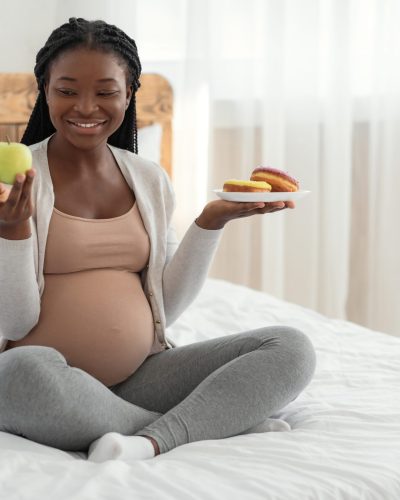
(115, 446)
(269, 425)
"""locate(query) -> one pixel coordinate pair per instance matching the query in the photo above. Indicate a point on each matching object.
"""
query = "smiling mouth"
(87, 125)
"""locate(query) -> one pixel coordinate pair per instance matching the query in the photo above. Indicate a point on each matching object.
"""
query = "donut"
(279, 180)
(246, 186)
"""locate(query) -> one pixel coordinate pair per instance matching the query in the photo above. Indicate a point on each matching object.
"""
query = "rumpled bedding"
(345, 437)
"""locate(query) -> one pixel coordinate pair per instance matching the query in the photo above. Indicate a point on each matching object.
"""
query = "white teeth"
(87, 125)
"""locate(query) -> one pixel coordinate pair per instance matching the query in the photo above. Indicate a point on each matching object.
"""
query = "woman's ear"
(46, 90)
(129, 93)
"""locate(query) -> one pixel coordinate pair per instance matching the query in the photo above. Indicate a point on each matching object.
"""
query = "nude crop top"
(93, 308)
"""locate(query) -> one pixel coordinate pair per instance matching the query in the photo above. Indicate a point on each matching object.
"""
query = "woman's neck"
(76, 161)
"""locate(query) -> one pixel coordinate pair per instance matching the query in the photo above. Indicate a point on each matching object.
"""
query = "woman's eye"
(108, 94)
(66, 92)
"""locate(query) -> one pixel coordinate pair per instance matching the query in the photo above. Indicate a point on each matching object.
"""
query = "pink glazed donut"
(279, 180)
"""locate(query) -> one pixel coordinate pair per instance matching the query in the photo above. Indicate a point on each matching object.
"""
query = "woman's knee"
(25, 372)
(294, 349)
(27, 365)
(299, 353)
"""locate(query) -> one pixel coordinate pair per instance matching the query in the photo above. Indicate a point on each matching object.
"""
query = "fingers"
(262, 207)
(17, 203)
(27, 188)
(276, 206)
(219, 212)
(16, 191)
(249, 209)
(3, 192)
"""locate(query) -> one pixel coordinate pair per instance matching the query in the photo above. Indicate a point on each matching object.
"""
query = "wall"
(25, 25)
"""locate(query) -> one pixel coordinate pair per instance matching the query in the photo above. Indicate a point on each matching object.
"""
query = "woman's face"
(87, 95)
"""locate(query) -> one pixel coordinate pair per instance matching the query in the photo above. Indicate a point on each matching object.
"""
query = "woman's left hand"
(217, 213)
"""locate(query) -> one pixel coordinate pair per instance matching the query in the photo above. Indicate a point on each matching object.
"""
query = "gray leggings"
(206, 390)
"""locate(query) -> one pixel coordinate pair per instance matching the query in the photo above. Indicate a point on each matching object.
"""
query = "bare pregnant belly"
(100, 320)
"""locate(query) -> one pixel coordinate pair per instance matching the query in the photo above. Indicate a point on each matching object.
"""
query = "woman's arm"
(19, 291)
(187, 268)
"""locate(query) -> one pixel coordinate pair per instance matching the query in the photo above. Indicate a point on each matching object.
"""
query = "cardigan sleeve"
(187, 268)
(19, 291)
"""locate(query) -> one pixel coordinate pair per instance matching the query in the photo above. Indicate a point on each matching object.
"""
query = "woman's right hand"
(16, 205)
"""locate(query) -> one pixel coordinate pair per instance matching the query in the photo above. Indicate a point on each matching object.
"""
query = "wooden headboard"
(154, 105)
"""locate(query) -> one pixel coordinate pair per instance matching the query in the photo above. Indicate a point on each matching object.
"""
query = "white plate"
(267, 197)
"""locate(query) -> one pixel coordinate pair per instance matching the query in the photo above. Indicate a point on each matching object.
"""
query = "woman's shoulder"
(39, 152)
(149, 178)
(39, 145)
(141, 167)
(134, 159)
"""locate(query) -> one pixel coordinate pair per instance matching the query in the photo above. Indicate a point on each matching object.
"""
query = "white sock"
(269, 425)
(113, 446)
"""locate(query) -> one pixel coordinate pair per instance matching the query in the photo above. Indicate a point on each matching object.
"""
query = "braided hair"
(97, 35)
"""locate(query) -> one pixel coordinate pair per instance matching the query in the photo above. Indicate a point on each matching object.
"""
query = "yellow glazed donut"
(252, 186)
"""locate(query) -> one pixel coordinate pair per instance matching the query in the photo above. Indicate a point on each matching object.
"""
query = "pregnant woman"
(92, 274)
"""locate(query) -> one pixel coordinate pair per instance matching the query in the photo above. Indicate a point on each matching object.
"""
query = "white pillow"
(149, 142)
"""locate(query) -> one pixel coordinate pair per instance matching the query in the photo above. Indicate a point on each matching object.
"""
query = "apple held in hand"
(15, 158)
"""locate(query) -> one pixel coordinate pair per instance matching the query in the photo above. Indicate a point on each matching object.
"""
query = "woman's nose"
(86, 104)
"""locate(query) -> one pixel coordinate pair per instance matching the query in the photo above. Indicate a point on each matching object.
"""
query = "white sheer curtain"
(312, 87)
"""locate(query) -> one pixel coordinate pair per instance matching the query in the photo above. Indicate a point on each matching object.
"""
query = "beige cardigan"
(175, 274)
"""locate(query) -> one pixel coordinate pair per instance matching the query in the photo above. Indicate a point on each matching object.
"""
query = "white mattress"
(344, 443)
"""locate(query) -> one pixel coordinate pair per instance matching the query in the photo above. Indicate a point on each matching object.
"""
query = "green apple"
(15, 158)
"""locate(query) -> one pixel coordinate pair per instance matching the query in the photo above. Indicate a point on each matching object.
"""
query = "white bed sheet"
(344, 443)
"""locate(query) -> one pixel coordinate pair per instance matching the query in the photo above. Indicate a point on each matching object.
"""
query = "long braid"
(39, 125)
(128, 129)
(93, 35)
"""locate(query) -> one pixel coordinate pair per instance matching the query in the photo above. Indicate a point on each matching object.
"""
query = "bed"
(345, 437)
